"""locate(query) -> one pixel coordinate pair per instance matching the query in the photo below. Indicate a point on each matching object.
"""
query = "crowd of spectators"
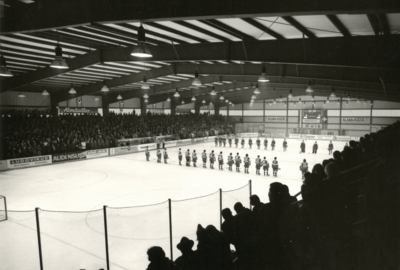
(33, 133)
(359, 185)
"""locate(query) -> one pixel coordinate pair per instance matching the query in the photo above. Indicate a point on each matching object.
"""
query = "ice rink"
(71, 197)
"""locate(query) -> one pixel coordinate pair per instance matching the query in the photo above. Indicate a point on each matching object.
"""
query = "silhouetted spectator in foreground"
(319, 171)
(228, 226)
(158, 261)
(243, 229)
(186, 261)
(332, 169)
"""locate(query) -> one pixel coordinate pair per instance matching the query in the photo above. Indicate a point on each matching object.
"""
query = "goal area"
(3, 208)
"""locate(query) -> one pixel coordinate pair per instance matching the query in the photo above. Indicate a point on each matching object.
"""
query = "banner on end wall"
(28, 162)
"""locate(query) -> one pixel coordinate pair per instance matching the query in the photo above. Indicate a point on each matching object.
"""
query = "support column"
(105, 105)
(54, 105)
(287, 118)
(264, 114)
(370, 117)
(174, 102)
(197, 106)
(340, 117)
(143, 107)
(216, 109)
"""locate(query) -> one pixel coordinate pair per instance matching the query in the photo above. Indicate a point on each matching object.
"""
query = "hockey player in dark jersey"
(224, 140)
(194, 158)
(230, 141)
(303, 168)
(220, 161)
(230, 161)
(275, 167)
(265, 165)
(250, 142)
(265, 144)
(258, 165)
(330, 147)
(204, 157)
(237, 162)
(242, 143)
(180, 156)
(165, 155)
(284, 145)
(187, 155)
(212, 159)
(247, 163)
(236, 142)
(147, 154)
(258, 142)
(220, 141)
(216, 141)
(158, 156)
(273, 144)
(315, 148)
(302, 147)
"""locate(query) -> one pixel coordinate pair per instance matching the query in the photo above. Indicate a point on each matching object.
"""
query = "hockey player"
(265, 165)
(303, 168)
(220, 141)
(247, 163)
(216, 141)
(275, 167)
(258, 165)
(230, 161)
(273, 144)
(194, 158)
(265, 144)
(224, 141)
(250, 142)
(165, 155)
(212, 159)
(237, 162)
(302, 147)
(180, 157)
(315, 148)
(284, 145)
(258, 142)
(187, 155)
(158, 156)
(147, 154)
(330, 147)
(204, 157)
(220, 161)
(230, 141)
(242, 143)
(236, 141)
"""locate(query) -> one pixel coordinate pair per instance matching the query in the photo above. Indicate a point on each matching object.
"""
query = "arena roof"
(349, 48)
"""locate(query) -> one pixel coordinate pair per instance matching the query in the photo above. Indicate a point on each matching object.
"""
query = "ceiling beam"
(383, 22)
(299, 26)
(373, 20)
(339, 25)
(174, 31)
(263, 28)
(202, 30)
(227, 29)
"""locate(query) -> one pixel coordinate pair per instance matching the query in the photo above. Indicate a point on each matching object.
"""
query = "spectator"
(186, 261)
(158, 261)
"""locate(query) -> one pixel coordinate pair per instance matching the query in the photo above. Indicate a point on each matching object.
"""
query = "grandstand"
(79, 191)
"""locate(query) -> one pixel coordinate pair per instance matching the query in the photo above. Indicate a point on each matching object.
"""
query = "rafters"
(299, 26)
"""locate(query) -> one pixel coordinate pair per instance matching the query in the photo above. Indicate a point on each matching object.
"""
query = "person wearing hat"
(180, 156)
(220, 161)
(186, 261)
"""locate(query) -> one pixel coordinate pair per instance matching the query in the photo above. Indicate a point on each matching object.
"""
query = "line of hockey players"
(221, 142)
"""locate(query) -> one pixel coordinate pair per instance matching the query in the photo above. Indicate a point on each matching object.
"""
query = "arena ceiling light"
(4, 71)
(119, 97)
(104, 88)
(327, 100)
(141, 50)
(338, 101)
(332, 95)
(183, 102)
(309, 88)
(226, 101)
(196, 80)
(257, 91)
(204, 102)
(221, 97)
(193, 98)
(176, 93)
(274, 101)
(348, 97)
(290, 94)
(96, 99)
(371, 103)
(324, 103)
(145, 95)
(145, 85)
(211, 104)
(21, 95)
(213, 93)
(253, 97)
(168, 100)
(146, 100)
(72, 91)
(263, 76)
(58, 62)
(45, 93)
(312, 97)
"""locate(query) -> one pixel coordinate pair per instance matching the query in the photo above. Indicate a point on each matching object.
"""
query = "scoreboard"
(315, 119)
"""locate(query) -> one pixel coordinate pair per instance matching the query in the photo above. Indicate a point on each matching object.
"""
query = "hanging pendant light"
(226, 101)
(21, 95)
(168, 100)
(309, 88)
(332, 95)
(96, 99)
(327, 100)
(176, 93)
(145, 85)
(312, 97)
(274, 101)
(211, 104)
(371, 103)
(204, 102)
(146, 100)
(45, 93)
(141, 50)
(213, 93)
(324, 103)
(263, 77)
(257, 91)
(230, 103)
(145, 95)
(4, 71)
(193, 98)
(72, 91)
(196, 80)
(253, 97)
(221, 97)
(348, 97)
(183, 102)
(104, 88)
(119, 97)
(290, 94)
(58, 62)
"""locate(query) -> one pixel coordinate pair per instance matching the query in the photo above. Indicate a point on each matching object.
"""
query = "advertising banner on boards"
(69, 156)
(123, 150)
(355, 120)
(28, 162)
(3, 165)
(97, 153)
(275, 119)
(150, 146)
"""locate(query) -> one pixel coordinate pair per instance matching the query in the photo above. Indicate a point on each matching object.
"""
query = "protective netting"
(230, 197)
(133, 230)
(187, 214)
(3, 210)
(72, 240)
(18, 241)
